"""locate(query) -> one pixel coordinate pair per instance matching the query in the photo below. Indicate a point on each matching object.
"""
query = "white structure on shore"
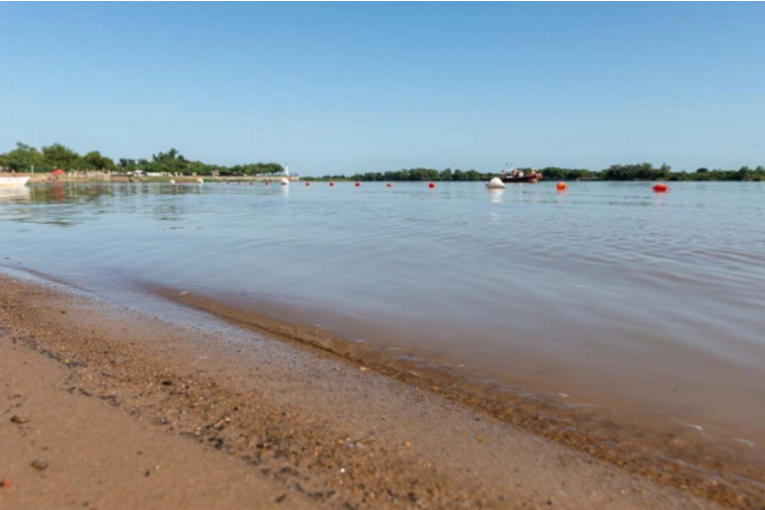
(285, 181)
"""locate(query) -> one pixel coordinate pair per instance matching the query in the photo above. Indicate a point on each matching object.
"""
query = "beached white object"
(172, 181)
(200, 181)
(14, 181)
(496, 183)
(284, 182)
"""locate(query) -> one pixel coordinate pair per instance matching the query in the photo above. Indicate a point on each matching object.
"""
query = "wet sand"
(671, 451)
(232, 416)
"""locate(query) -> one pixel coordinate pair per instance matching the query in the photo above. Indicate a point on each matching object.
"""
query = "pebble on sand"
(40, 464)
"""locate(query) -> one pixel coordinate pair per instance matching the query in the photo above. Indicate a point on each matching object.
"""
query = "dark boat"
(525, 178)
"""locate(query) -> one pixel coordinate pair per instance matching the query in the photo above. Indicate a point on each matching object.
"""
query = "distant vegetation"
(24, 158)
(641, 171)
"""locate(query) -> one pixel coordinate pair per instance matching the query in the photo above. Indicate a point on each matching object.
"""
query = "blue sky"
(346, 87)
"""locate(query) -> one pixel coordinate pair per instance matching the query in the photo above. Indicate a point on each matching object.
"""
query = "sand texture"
(130, 411)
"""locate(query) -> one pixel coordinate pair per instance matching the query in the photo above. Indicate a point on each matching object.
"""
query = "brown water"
(646, 307)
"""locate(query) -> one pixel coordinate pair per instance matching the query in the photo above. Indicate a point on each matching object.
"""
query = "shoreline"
(123, 178)
(674, 453)
(325, 429)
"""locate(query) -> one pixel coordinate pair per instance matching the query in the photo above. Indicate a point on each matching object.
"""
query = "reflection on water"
(68, 204)
(606, 291)
(496, 195)
(15, 194)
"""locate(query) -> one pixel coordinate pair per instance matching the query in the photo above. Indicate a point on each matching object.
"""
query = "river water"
(607, 294)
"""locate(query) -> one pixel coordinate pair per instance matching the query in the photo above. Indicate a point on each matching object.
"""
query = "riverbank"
(288, 423)
(104, 177)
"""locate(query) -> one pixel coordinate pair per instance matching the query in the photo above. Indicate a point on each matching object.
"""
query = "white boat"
(13, 181)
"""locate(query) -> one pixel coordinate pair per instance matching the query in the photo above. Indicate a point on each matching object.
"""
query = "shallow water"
(607, 294)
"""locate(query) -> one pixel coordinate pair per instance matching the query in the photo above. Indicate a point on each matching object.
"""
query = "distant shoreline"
(191, 179)
(25, 158)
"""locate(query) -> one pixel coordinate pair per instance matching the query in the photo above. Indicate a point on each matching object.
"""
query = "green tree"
(126, 163)
(23, 158)
(59, 156)
(170, 161)
(641, 171)
(95, 161)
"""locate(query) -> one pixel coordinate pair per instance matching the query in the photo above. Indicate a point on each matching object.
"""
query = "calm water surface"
(608, 293)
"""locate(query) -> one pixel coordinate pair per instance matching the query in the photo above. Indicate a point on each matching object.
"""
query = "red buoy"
(431, 185)
(267, 183)
(307, 183)
(357, 184)
(250, 183)
(562, 186)
(389, 185)
(228, 182)
(331, 183)
(238, 183)
(661, 188)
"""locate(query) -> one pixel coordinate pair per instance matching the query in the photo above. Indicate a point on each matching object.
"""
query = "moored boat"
(517, 175)
(525, 178)
(13, 181)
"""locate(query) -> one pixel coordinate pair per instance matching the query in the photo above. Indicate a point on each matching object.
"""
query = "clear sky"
(346, 87)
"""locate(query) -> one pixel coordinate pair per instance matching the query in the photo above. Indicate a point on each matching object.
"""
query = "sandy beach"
(128, 411)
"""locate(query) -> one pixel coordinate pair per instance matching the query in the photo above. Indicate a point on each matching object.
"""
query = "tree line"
(25, 158)
(633, 172)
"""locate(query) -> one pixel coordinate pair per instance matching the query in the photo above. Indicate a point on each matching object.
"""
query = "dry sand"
(129, 411)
